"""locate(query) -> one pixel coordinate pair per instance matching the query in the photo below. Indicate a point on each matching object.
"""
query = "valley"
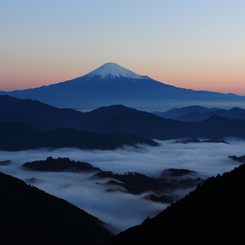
(122, 164)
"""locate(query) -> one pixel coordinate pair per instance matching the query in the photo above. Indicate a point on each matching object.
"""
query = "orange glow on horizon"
(225, 82)
(217, 81)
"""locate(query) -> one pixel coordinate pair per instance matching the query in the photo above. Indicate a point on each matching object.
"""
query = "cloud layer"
(122, 210)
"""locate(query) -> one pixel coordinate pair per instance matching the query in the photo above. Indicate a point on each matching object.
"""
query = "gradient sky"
(186, 43)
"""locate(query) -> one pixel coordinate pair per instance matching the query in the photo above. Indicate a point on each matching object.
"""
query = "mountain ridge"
(199, 113)
(15, 136)
(32, 216)
(117, 119)
(45, 117)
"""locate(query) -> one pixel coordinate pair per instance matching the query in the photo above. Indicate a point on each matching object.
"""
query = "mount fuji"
(112, 84)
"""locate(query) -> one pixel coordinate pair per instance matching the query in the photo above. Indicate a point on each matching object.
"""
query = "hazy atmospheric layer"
(122, 210)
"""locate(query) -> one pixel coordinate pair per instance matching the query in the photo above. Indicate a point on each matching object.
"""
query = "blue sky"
(191, 44)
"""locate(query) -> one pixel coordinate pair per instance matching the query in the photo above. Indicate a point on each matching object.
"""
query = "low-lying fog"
(120, 209)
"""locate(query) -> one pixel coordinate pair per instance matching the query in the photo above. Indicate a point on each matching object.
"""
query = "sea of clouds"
(122, 210)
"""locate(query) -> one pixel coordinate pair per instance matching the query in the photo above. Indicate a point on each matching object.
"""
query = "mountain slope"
(31, 216)
(175, 113)
(234, 113)
(107, 120)
(212, 214)
(146, 124)
(112, 84)
(199, 113)
(44, 117)
(16, 136)
(155, 127)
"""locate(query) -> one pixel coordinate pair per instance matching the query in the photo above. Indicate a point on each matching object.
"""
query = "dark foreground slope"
(31, 216)
(212, 214)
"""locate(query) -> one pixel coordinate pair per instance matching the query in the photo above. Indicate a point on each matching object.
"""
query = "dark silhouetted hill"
(116, 119)
(199, 113)
(60, 164)
(31, 216)
(178, 112)
(212, 214)
(160, 189)
(145, 123)
(44, 117)
(234, 113)
(16, 136)
(155, 127)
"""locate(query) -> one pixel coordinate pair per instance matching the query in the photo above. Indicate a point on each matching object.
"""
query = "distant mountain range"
(212, 214)
(199, 113)
(63, 126)
(112, 84)
(154, 127)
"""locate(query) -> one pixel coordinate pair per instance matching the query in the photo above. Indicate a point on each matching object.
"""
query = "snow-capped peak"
(113, 70)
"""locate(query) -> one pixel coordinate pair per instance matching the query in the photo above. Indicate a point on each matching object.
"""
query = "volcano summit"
(113, 70)
(112, 84)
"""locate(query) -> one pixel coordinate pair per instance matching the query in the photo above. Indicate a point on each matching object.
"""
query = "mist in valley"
(122, 210)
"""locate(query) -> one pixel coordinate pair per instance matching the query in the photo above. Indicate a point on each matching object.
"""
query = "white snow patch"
(114, 70)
